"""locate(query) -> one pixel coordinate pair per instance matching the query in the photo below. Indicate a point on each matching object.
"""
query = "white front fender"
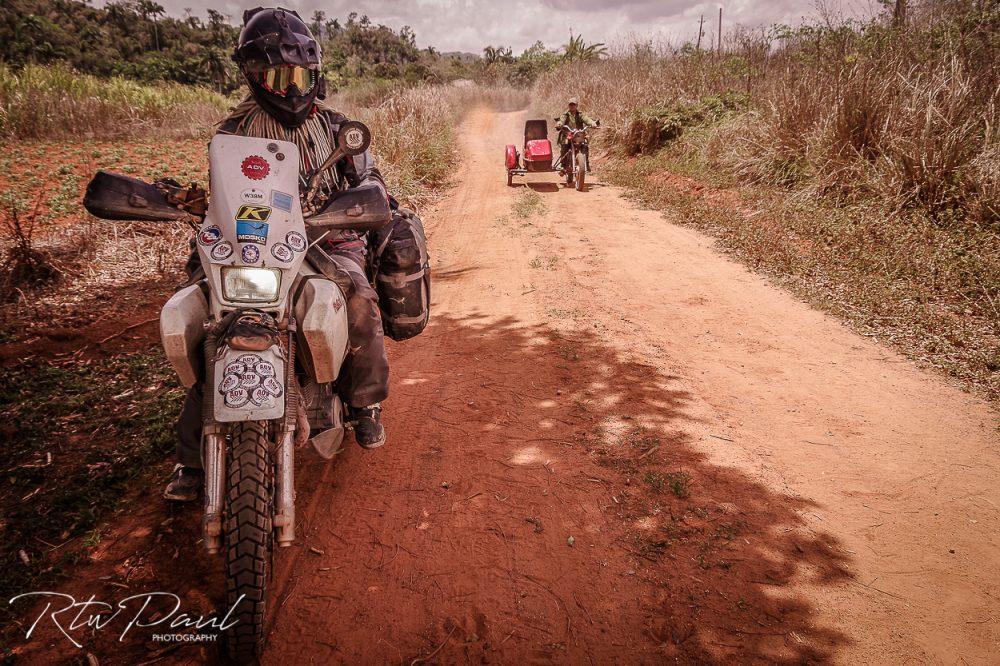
(249, 386)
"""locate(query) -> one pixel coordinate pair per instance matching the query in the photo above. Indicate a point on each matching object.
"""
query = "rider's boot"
(184, 484)
(368, 430)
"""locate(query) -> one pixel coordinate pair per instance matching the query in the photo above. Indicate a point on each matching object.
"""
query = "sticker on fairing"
(253, 213)
(229, 382)
(282, 252)
(222, 251)
(250, 254)
(251, 232)
(281, 201)
(249, 379)
(254, 196)
(210, 235)
(255, 167)
(272, 385)
(296, 241)
(260, 395)
(237, 398)
(250, 386)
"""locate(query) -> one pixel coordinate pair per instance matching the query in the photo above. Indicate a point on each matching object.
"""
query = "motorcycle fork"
(284, 514)
(213, 452)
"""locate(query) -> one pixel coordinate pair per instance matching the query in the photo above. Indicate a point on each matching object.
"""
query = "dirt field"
(613, 444)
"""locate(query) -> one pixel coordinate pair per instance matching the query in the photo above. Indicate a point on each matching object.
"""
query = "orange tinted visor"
(279, 80)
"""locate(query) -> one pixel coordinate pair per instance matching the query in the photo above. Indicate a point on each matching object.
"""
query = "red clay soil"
(612, 444)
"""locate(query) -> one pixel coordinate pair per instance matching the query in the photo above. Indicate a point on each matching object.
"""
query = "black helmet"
(280, 60)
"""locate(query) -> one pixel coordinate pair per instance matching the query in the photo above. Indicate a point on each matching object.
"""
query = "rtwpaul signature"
(150, 609)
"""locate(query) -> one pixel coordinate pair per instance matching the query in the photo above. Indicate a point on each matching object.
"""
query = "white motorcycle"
(265, 331)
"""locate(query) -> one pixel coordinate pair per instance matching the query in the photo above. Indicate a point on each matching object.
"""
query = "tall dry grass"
(850, 112)
(867, 159)
(56, 102)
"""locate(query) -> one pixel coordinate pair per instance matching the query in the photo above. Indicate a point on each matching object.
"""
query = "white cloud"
(469, 25)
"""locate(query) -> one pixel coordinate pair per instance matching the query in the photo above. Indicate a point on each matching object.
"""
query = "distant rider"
(280, 61)
(575, 119)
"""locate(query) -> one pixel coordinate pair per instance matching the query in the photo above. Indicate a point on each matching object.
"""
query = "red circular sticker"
(256, 167)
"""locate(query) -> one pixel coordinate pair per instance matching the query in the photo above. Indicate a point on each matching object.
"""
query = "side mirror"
(354, 137)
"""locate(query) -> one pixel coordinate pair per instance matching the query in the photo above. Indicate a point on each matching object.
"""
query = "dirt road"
(613, 444)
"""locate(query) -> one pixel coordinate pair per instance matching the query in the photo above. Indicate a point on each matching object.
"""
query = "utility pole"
(720, 31)
(701, 22)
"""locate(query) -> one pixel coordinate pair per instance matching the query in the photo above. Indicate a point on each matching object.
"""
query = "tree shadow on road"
(673, 557)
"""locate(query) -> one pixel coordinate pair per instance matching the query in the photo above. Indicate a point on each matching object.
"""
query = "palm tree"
(317, 23)
(577, 49)
(147, 9)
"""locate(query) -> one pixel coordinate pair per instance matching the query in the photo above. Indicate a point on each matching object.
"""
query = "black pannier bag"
(401, 273)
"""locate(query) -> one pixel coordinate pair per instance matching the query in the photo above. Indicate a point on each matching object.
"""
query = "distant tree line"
(135, 38)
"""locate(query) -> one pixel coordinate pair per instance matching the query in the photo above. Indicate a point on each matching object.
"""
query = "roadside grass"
(54, 101)
(79, 433)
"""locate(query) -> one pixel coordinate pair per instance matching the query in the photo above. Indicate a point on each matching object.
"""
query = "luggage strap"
(401, 279)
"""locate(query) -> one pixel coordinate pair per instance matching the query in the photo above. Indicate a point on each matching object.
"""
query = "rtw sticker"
(282, 252)
(254, 196)
(222, 251)
(296, 241)
(281, 201)
(210, 235)
(255, 167)
(250, 254)
(251, 232)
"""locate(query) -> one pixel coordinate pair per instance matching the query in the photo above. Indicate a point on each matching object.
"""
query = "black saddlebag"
(401, 273)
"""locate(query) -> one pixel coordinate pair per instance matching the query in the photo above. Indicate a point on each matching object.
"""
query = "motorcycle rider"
(280, 61)
(572, 118)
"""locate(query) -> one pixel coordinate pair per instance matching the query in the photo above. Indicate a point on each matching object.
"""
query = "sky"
(469, 25)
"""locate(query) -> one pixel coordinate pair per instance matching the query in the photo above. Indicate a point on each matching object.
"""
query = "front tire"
(510, 178)
(249, 542)
(581, 172)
